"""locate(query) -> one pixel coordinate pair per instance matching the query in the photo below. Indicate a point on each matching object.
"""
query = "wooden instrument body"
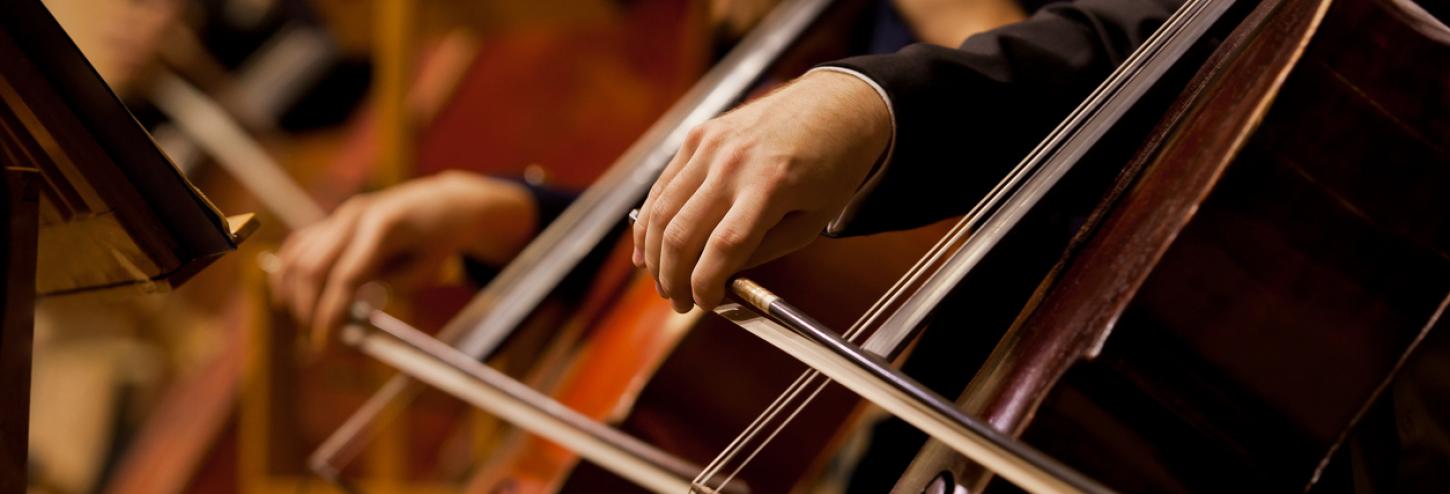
(689, 383)
(717, 379)
(1282, 252)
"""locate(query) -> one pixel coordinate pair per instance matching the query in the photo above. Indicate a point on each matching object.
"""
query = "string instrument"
(672, 398)
(1281, 253)
(640, 368)
(1262, 246)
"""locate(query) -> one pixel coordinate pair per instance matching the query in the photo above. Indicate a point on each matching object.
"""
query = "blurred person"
(404, 235)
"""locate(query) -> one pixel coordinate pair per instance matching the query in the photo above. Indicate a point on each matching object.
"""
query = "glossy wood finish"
(117, 213)
(1256, 288)
(601, 380)
(683, 387)
(20, 209)
(114, 213)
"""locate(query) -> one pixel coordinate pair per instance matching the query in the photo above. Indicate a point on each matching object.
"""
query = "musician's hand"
(757, 183)
(403, 235)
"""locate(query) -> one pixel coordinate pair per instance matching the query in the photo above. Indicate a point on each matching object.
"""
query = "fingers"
(307, 258)
(310, 267)
(277, 276)
(685, 185)
(705, 218)
(355, 266)
(684, 238)
(731, 244)
(641, 225)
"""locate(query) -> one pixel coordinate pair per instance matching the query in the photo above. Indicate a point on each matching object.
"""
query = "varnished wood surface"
(1254, 291)
(112, 211)
(19, 208)
(116, 211)
(1134, 238)
(718, 378)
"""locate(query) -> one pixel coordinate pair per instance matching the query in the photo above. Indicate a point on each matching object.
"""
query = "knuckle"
(309, 268)
(345, 280)
(781, 173)
(703, 285)
(698, 135)
(732, 157)
(675, 236)
(729, 238)
(382, 222)
(354, 203)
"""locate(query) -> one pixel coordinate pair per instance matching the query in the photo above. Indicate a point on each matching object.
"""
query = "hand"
(757, 183)
(403, 235)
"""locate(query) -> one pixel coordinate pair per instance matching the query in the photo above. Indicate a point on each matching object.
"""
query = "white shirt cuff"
(848, 212)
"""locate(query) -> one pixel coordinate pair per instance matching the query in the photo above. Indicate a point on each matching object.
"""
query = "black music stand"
(89, 203)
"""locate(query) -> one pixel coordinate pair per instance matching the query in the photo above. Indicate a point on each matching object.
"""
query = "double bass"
(1217, 51)
(1250, 273)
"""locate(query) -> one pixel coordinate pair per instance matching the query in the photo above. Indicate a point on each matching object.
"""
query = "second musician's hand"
(402, 235)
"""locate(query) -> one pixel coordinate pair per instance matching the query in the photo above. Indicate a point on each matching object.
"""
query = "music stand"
(89, 201)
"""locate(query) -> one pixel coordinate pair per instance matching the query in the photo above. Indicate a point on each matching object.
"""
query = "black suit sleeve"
(965, 116)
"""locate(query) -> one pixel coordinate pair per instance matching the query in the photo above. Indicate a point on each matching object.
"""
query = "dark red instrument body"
(1278, 249)
(678, 381)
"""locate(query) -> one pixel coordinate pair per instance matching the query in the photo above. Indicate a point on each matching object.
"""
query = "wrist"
(859, 102)
(501, 217)
(863, 107)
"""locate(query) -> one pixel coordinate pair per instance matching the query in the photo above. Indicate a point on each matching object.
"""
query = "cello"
(1247, 281)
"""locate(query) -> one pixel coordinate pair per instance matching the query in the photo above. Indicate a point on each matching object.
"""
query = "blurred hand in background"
(404, 236)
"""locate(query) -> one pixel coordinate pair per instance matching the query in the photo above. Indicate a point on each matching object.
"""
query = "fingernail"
(637, 258)
(660, 289)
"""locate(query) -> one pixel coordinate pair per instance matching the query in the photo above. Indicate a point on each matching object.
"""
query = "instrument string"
(991, 203)
(811, 376)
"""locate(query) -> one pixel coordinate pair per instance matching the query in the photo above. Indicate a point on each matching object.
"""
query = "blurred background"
(202, 389)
